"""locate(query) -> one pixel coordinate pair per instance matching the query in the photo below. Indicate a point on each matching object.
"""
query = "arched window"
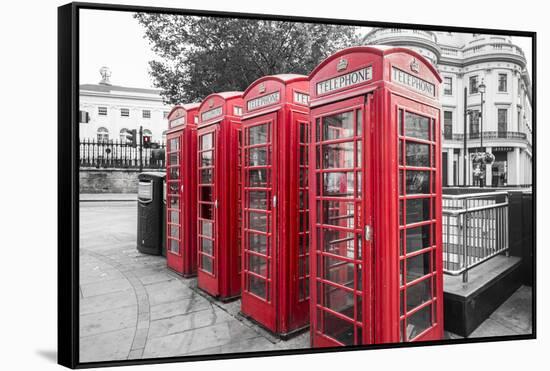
(102, 134)
(123, 135)
(147, 133)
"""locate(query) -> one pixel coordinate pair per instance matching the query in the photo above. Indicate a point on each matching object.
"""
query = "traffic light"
(146, 141)
(131, 137)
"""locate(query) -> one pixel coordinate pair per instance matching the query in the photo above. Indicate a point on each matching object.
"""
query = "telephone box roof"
(285, 78)
(381, 50)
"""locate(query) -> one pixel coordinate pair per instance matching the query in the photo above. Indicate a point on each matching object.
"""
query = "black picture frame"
(68, 180)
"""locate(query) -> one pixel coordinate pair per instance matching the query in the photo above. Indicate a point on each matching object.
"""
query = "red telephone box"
(219, 135)
(375, 198)
(274, 204)
(181, 198)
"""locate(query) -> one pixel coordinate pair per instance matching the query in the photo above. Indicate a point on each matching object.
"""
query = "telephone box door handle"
(368, 232)
(274, 201)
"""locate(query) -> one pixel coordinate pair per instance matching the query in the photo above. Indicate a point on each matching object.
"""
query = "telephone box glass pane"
(338, 126)
(257, 156)
(257, 264)
(206, 176)
(206, 158)
(258, 177)
(418, 238)
(339, 271)
(417, 182)
(339, 300)
(206, 141)
(206, 263)
(417, 154)
(206, 246)
(338, 184)
(417, 126)
(338, 213)
(339, 242)
(258, 200)
(419, 321)
(258, 221)
(256, 286)
(257, 243)
(418, 294)
(206, 228)
(206, 211)
(418, 266)
(258, 134)
(338, 328)
(206, 193)
(418, 210)
(338, 155)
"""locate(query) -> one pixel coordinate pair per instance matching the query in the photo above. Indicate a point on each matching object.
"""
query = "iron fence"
(121, 155)
(475, 229)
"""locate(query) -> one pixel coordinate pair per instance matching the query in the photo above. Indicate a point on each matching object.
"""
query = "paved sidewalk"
(103, 197)
(132, 306)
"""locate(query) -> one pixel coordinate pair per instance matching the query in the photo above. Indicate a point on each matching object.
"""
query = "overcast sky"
(115, 39)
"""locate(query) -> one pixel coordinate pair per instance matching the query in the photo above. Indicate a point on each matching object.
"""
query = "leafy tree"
(202, 55)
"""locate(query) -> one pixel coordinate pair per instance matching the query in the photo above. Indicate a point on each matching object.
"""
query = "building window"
(502, 82)
(502, 122)
(165, 114)
(102, 111)
(147, 133)
(473, 85)
(448, 125)
(448, 86)
(102, 135)
(474, 124)
(125, 112)
(146, 114)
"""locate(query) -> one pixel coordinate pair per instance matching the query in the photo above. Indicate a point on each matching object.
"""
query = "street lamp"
(482, 158)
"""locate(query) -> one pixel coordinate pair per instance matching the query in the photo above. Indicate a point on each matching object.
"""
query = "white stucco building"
(464, 61)
(114, 109)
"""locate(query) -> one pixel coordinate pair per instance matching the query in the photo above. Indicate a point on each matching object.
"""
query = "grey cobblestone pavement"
(132, 306)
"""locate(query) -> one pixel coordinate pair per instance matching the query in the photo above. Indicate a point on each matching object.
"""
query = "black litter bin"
(150, 212)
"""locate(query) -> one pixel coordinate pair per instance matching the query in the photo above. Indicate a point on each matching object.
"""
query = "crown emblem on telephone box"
(342, 65)
(261, 88)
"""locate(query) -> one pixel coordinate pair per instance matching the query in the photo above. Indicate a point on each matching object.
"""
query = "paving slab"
(105, 287)
(179, 307)
(113, 345)
(111, 320)
(107, 302)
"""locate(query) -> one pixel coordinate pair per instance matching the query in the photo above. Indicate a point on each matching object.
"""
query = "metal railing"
(475, 229)
(487, 135)
(120, 155)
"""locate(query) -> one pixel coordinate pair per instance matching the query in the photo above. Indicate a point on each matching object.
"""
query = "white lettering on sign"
(349, 79)
(205, 116)
(301, 98)
(413, 82)
(263, 101)
(178, 121)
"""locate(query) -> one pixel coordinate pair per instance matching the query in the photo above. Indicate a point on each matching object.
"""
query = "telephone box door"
(259, 285)
(207, 209)
(341, 263)
(420, 253)
(174, 232)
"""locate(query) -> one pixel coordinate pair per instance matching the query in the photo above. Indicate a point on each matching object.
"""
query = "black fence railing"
(116, 154)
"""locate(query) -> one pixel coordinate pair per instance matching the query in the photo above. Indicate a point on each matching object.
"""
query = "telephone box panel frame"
(219, 245)
(386, 77)
(182, 132)
(278, 103)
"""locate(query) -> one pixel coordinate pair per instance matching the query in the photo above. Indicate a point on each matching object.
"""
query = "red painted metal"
(181, 190)
(375, 163)
(218, 138)
(274, 203)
